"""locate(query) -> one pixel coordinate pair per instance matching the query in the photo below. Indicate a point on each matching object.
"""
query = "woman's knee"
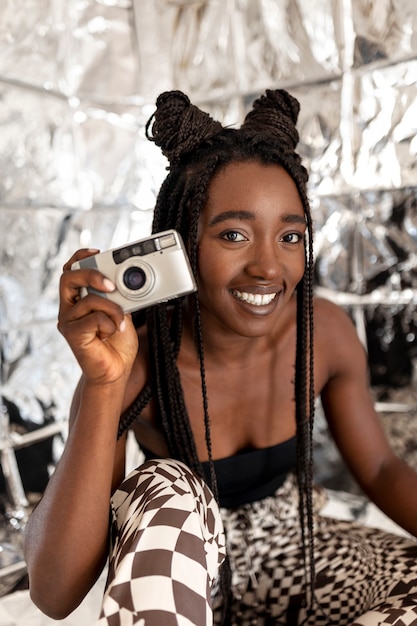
(162, 479)
(168, 499)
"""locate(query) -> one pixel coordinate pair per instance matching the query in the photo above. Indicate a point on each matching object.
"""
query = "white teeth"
(254, 298)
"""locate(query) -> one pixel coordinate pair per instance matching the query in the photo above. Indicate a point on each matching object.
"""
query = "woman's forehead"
(250, 184)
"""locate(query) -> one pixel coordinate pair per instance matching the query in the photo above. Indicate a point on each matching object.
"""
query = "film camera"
(145, 272)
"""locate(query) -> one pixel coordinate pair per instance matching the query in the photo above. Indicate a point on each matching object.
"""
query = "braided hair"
(197, 147)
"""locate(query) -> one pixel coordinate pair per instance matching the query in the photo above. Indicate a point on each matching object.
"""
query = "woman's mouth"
(257, 299)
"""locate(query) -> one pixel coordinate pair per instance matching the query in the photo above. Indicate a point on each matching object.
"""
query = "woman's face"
(250, 248)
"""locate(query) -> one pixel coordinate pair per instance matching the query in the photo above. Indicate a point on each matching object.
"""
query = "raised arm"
(387, 480)
(66, 539)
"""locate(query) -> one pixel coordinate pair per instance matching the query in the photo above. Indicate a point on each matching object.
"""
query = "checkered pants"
(364, 577)
(168, 544)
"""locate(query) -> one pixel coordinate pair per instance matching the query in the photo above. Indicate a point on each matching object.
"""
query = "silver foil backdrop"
(78, 80)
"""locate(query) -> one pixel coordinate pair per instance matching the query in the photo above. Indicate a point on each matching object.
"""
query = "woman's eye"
(232, 235)
(292, 238)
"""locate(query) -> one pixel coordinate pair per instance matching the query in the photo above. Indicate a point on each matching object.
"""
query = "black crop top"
(252, 474)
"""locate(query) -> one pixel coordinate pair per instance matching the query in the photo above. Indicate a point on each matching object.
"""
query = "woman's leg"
(360, 572)
(365, 576)
(400, 605)
(168, 544)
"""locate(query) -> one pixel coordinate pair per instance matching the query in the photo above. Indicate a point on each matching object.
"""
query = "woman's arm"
(66, 539)
(355, 426)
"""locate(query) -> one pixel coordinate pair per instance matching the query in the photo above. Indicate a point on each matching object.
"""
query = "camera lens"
(134, 278)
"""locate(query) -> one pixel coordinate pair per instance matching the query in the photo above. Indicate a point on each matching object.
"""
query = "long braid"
(305, 422)
(135, 409)
(194, 221)
(225, 578)
(170, 397)
(197, 147)
(310, 296)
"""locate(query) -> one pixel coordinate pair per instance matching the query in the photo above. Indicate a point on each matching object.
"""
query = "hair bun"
(276, 112)
(178, 126)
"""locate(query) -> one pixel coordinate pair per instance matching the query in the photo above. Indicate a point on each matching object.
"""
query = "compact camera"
(145, 272)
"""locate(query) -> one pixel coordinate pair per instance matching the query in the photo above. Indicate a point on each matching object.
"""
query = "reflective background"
(78, 80)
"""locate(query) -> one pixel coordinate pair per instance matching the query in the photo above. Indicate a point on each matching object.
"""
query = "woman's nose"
(264, 262)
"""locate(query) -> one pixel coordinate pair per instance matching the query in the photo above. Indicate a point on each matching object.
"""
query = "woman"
(221, 385)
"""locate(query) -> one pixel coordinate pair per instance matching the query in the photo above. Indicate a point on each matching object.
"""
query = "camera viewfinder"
(149, 246)
(141, 248)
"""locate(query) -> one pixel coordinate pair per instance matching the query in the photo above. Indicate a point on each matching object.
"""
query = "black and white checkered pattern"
(365, 577)
(400, 608)
(168, 544)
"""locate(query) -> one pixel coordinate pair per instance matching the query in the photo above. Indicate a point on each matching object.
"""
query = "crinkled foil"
(385, 31)
(78, 80)
(87, 49)
(243, 46)
(385, 127)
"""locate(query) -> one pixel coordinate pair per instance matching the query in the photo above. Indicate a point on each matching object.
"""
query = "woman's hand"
(102, 338)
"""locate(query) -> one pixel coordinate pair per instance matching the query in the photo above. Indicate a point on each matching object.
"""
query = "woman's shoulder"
(328, 314)
(336, 339)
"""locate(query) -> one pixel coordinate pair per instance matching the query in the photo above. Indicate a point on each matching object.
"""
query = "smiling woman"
(219, 388)
(251, 245)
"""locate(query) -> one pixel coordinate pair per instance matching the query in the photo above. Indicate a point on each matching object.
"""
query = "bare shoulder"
(330, 319)
(336, 338)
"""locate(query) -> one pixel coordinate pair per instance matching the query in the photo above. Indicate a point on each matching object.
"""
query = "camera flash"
(167, 241)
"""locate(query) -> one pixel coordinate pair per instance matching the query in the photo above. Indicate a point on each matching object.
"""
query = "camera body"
(145, 272)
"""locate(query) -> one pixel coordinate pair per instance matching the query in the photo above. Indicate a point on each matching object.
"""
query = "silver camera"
(145, 272)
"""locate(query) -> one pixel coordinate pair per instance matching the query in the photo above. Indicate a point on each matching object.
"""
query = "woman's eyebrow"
(231, 215)
(294, 218)
(247, 215)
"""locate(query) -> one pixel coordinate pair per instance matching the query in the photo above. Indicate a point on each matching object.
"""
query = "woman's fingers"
(102, 338)
(83, 253)
(73, 281)
(93, 315)
(100, 316)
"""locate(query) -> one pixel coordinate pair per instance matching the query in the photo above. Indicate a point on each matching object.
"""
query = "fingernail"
(107, 283)
(122, 326)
